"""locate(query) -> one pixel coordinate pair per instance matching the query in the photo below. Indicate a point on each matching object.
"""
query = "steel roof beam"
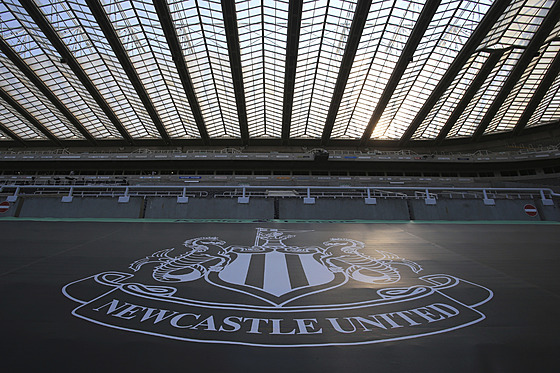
(45, 26)
(532, 49)
(489, 20)
(356, 30)
(24, 113)
(117, 47)
(292, 48)
(481, 77)
(170, 33)
(539, 94)
(42, 87)
(418, 32)
(232, 37)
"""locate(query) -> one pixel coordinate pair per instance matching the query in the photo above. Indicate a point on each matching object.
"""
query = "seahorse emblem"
(203, 254)
(344, 255)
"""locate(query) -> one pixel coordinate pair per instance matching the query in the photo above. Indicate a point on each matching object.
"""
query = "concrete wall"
(343, 209)
(89, 207)
(549, 213)
(471, 209)
(209, 208)
(12, 209)
(287, 208)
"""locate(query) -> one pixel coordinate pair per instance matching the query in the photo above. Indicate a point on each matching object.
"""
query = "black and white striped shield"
(275, 272)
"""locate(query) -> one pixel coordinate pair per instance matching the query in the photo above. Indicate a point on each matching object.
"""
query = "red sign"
(4, 206)
(531, 210)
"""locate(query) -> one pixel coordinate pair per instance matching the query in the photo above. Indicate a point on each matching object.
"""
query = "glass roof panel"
(15, 84)
(262, 31)
(518, 24)
(533, 76)
(140, 33)
(388, 27)
(440, 114)
(262, 39)
(34, 49)
(473, 114)
(13, 121)
(448, 31)
(324, 30)
(520, 96)
(524, 15)
(200, 27)
(18, 86)
(549, 108)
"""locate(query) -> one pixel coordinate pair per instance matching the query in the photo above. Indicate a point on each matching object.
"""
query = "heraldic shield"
(275, 272)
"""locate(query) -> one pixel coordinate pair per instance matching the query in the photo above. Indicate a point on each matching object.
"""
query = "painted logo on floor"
(278, 294)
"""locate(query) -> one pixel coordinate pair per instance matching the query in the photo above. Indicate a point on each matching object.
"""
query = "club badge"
(275, 293)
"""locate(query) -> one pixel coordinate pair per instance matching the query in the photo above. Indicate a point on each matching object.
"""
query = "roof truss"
(118, 49)
(238, 73)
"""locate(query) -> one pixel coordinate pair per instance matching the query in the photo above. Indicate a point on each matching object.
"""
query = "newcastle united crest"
(274, 292)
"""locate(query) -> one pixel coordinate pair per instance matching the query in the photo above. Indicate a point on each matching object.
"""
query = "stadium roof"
(179, 72)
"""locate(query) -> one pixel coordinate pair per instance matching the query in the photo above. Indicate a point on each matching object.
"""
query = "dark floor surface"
(508, 301)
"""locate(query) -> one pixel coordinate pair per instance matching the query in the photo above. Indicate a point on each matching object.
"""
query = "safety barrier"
(427, 193)
(285, 202)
